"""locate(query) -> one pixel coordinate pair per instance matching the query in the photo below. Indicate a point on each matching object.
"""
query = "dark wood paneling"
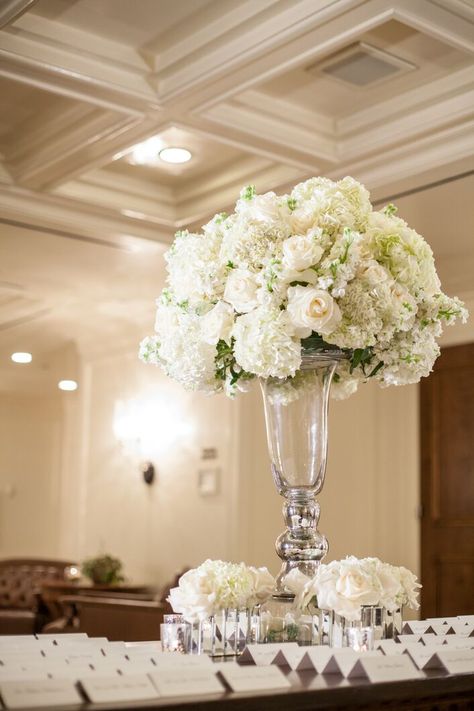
(447, 484)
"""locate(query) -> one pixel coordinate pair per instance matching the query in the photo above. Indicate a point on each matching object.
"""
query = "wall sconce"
(148, 471)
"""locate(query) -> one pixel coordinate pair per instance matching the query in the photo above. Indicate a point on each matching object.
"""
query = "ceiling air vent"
(362, 65)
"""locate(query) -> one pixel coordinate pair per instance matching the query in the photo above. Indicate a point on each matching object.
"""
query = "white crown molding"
(256, 39)
(439, 22)
(93, 221)
(68, 153)
(403, 104)
(217, 19)
(285, 110)
(462, 8)
(260, 146)
(11, 10)
(280, 132)
(430, 153)
(408, 128)
(53, 71)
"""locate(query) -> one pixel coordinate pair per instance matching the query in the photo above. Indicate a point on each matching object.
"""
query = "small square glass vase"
(382, 624)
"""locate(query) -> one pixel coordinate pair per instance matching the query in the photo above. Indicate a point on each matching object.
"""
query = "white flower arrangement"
(316, 268)
(345, 586)
(217, 585)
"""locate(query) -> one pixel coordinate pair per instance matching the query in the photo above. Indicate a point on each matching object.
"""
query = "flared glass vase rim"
(311, 357)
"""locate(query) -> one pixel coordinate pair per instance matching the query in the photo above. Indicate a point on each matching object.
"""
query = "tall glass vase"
(296, 412)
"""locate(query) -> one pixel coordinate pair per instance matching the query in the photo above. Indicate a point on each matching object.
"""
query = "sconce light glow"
(21, 357)
(175, 155)
(146, 427)
(67, 385)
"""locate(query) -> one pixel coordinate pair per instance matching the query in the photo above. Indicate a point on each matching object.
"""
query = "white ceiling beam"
(403, 104)
(282, 133)
(408, 128)
(438, 22)
(69, 152)
(255, 39)
(277, 153)
(93, 221)
(11, 10)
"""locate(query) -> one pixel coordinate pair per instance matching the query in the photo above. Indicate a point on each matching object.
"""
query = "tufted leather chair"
(21, 611)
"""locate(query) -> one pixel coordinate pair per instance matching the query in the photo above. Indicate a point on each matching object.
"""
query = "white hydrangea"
(319, 263)
(217, 585)
(265, 343)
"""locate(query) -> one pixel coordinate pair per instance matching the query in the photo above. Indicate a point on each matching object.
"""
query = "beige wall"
(156, 529)
(30, 466)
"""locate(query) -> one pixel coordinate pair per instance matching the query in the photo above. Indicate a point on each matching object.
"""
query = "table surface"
(309, 690)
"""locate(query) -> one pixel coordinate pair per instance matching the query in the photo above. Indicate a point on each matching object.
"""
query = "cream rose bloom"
(263, 584)
(312, 309)
(356, 585)
(301, 252)
(217, 324)
(241, 290)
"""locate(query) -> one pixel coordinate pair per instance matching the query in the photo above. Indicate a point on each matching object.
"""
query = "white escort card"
(456, 642)
(182, 661)
(254, 678)
(264, 654)
(110, 689)
(382, 668)
(467, 618)
(289, 656)
(417, 627)
(409, 638)
(422, 656)
(49, 693)
(179, 682)
(455, 661)
(435, 639)
(321, 659)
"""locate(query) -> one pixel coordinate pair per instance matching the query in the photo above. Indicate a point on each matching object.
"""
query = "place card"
(289, 656)
(456, 642)
(64, 636)
(254, 678)
(318, 659)
(421, 656)
(442, 620)
(381, 669)
(441, 630)
(434, 639)
(466, 618)
(389, 646)
(456, 661)
(350, 667)
(111, 689)
(417, 627)
(182, 661)
(9, 638)
(17, 674)
(462, 629)
(409, 638)
(48, 693)
(176, 682)
(264, 654)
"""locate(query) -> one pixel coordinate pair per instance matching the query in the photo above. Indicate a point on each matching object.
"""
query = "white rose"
(217, 324)
(390, 584)
(263, 208)
(241, 290)
(313, 309)
(410, 587)
(301, 252)
(263, 584)
(373, 272)
(357, 586)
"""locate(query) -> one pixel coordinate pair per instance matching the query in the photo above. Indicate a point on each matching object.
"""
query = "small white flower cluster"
(217, 585)
(344, 586)
(244, 295)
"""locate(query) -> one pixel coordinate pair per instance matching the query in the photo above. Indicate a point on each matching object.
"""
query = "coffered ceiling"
(252, 88)
(262, 91)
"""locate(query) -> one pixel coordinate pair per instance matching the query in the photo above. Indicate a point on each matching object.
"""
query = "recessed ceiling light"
(175, 155)
(22, 357)
(67, 385)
